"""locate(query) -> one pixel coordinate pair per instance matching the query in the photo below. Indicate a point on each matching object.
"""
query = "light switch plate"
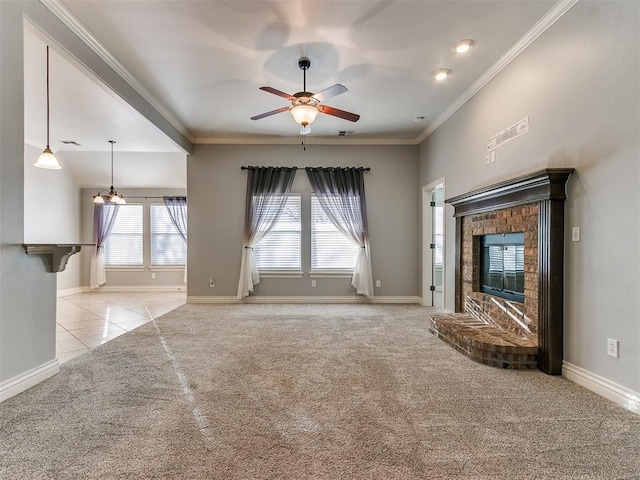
(575, 234)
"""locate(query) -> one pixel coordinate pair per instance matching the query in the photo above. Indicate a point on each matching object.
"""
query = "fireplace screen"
(502, 265)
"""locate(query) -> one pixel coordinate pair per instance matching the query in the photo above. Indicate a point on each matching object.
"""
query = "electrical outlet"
(313, 283)
(612, 347)
(212, 282)
(378, 283)
(153, 275)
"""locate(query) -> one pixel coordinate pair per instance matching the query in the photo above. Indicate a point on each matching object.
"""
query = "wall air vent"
(70, 142)
(508, 134)
(346, 133)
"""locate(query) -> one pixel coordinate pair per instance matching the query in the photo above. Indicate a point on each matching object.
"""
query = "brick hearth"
(485, 343)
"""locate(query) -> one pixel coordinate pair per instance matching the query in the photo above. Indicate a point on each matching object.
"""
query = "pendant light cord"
(48, 96)
(112, 142)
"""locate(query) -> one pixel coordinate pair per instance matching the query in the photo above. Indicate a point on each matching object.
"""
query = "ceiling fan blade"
(272, 112)
(352, 117)
(277, 92)
(332, 91)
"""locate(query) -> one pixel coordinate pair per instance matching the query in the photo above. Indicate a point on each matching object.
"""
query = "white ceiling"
(202, 62)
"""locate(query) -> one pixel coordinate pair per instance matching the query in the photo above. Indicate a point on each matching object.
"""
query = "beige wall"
(579, 84)
(217, 189)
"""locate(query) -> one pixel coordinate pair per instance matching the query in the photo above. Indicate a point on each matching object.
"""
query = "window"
(125, 243)
(279, 250)
(438, 234)
(167, 246)
(330, 249)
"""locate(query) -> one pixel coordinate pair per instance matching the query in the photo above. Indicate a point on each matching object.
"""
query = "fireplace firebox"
(502, 265)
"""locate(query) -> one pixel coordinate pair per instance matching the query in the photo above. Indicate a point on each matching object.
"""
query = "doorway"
(433, 254)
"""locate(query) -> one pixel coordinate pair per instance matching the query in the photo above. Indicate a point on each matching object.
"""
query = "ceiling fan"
(305, 106)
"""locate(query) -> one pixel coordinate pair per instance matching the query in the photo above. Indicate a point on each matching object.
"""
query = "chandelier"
(111, 195)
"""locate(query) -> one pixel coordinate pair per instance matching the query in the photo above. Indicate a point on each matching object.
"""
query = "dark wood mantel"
(546, 188)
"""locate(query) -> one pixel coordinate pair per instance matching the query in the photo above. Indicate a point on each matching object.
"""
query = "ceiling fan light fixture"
(304, 114)
(442, 74)
(463, 46)
(305, 129)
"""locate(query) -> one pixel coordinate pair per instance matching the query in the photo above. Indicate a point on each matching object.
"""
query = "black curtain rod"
(134, 196)
(366, 169)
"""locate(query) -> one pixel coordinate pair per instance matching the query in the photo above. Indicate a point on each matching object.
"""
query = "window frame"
(294, 272)
(127, 266)
(161, 266)
(328, 272)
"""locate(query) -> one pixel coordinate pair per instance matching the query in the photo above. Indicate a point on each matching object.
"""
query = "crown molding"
(558, 10)
(92, 42)
(307, 141)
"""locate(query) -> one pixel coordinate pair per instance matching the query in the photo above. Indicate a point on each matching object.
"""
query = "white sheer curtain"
(267, 191)
(177, 208)
(104, 217)
(340, 192)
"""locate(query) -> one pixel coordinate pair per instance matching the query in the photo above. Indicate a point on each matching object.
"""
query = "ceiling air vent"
(346, 133)
(70, 142)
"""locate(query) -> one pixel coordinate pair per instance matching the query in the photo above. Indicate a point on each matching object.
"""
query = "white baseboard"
(274, 300)
(26, 380)
(69, 291)
(135, 288)
(606, 388)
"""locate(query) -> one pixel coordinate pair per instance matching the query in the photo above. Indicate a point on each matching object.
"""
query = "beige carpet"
(306, 392)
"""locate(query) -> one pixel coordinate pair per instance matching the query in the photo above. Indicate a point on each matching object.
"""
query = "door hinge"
(432, 204)
(432, 288)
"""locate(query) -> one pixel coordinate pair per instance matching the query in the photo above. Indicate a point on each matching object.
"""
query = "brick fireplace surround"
(492, 330)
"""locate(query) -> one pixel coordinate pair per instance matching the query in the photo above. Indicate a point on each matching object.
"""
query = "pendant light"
(47, 159)
(112, 194)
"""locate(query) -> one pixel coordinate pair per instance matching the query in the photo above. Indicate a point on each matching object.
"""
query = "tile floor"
(86, 320)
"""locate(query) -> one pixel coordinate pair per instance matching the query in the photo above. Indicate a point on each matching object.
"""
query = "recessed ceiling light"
(463, 46)
(442, 74)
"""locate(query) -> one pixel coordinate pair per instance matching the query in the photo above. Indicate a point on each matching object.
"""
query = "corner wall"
(27, 290)
(216, 220)
(52, 211)
(579, 83)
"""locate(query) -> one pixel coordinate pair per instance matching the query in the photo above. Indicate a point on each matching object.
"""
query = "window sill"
(275, 274)
(331, 274)
(166, 268)
(124, 268)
